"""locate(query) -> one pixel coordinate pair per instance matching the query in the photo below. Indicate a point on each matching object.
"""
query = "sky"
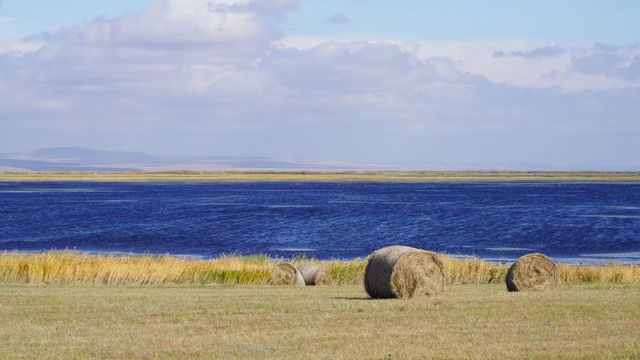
(459, 84)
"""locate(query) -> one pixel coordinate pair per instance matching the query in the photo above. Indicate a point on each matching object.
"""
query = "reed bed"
(607, 274)
(473, 271)
(73, 267)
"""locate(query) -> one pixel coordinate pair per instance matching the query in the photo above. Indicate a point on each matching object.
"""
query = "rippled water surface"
(582, 222)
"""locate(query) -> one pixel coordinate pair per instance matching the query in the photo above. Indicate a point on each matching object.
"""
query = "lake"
(572, 222)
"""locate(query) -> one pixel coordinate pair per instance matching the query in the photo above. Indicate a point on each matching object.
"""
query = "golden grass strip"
(608, 274)
(322, 176)
(69, 267)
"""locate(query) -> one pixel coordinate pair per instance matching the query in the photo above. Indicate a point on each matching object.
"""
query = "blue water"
(498, 221)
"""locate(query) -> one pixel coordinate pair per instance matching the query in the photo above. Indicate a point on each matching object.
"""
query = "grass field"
(221, 322)
(299, 176)
(72, 305)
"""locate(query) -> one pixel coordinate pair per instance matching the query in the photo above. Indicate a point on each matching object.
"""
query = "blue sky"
(571, 21)
(414, 83)
(568, 21)
(31, 16)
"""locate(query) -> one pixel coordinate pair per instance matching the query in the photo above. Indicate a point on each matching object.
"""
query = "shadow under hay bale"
(533, 272)
(403, 272)
(286, 274)
(313, 275)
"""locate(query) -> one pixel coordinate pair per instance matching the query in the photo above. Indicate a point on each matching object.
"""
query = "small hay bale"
(403, 272)
(286, 274)
(533, 272)
(313, 275)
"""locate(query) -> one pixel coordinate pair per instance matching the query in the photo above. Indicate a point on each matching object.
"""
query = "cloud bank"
(220, 77)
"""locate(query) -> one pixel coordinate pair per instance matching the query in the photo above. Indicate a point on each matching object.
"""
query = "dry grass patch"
(239, 322)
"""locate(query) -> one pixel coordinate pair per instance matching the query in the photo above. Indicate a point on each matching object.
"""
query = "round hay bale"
(403, 272)
(313, 275)
(533, 272)
(286, 274)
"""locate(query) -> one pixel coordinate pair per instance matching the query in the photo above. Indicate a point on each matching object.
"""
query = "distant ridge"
(89, 156)
(35, 165)
(82, 159)
(90, 160)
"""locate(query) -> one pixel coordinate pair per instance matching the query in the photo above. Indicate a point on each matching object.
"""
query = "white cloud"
(187, 25)
(518, 62)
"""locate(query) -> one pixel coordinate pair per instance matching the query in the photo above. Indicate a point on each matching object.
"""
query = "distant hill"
(82, 159)
(34, 165)
(88, 156)
(89, 160)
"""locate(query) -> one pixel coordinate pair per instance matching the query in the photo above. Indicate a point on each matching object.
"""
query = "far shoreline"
(188, 176)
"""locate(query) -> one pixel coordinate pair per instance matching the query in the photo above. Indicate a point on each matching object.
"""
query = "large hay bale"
(313, 275)
(286, 274)
(403, 272)
(533, 272)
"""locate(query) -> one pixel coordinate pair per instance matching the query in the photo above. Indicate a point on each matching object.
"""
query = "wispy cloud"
(613, 61)
(338, 19)
(540, 52)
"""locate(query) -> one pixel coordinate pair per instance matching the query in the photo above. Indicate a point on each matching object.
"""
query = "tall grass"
(473, 271)
(72, 267)
(608, 274)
